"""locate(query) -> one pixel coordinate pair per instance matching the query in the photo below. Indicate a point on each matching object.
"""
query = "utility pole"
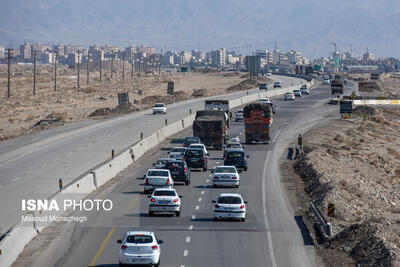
(112, 64)
(159, 63)
(100, 68)
(34, 72)
(55, 72)
(132, 67)
(9, 74)
(140, 59)
(78, 69)
(123, 65)
(88, 68)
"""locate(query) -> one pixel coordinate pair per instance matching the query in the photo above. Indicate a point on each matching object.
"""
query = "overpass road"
(31, 165)
(270, 235)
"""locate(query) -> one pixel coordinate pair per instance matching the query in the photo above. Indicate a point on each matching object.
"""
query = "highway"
(31, 165)
(270, 235)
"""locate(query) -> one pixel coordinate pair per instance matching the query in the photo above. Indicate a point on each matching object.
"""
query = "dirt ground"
(25, 113)
(355, 164)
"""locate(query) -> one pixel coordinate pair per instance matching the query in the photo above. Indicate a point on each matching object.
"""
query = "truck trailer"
(257, 121)
(211, 126)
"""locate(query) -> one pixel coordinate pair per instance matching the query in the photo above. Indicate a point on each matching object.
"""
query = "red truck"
(257, 121)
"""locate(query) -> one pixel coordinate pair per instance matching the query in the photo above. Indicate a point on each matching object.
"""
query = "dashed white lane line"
(16, 179)
(209, 175)
(191, 227)
(188, 238)
(202, 192)
(217, 162)
(208, 181)
(182, 265)
(197, 207)
(185, 253)
(200, 199)
(193, 217)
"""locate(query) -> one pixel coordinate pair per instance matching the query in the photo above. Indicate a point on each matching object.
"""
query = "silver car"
(177, 152)
(289, 96)
(165, 200)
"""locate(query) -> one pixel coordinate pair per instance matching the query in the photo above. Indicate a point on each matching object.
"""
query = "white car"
(265, 101)
(165, 200)
(277, 85)
(269, 74)
(235, 140)
(177, 152)
(156, 178)
(139, 248)
(297, 93)
(200, 146)
(226, 176)
(326, 81)
(239, 115)
(159, 108)
(289, 96)
(230, 205)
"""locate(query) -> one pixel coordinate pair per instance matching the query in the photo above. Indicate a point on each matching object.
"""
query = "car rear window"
(235, 154)
(174, 165)
(229, 200)
(159, 105)
(191, 139)
(194, 153)
(225, 170)
(141, 239)
(157, 173)
(239, 111)
(163, 161)
(164, 193)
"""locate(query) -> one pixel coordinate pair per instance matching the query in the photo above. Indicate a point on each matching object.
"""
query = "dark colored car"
(179, 171)
(196, 158)
(237, 158)
(191, 140)
(263, 86)
(273, 106)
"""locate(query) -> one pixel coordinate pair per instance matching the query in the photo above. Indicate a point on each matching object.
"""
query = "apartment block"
(2, 52)
(25, 51)
(218, 58)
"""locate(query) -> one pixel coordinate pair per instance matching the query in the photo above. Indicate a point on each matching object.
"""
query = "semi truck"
(257, 121)
(222, 105)
(211, 126)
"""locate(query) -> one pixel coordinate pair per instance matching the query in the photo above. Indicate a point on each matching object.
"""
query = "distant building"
(253, 65)
(45, 57)
(130, 52)
(72, 59)
(146, 49)
(40, 48)
(218, 58)
(2, 52)
(368, 56)
(111, 49)
(59, 49)
(199, 55)
(25, 51)
(71, 48)
(294, 57)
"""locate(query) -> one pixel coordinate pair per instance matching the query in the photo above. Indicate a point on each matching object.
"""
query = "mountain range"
(306, 25)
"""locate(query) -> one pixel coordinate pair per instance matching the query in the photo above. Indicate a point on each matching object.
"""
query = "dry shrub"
(89, 90)
(61, 116)
(11, 120)
(394, 153)
(30, 117)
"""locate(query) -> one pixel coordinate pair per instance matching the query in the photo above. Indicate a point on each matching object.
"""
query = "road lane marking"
(197, 207)
(217, 162)
(191, 227)
(209, 175)
(270, 247)
(202, 192)
(16, 179)
(200, 199)
(103, 245)
(193, 217)
(276, 136)
(132, 204)
(188, 239)
(93, 262)
(208, 181)
(185, 253)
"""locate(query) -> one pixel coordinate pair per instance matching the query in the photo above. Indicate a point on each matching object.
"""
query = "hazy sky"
(309, 26)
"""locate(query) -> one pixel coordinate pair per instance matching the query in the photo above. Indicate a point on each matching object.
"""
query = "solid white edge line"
(276, 136)
(269, 237)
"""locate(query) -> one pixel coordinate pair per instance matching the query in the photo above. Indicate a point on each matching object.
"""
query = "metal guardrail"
(324, 227)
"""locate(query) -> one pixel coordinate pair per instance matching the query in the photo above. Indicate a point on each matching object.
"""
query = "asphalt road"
(270, 236)
(31, 165)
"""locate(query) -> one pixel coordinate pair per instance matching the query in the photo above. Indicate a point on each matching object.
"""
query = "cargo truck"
(211, 126)
(216, 104)
(257, 121)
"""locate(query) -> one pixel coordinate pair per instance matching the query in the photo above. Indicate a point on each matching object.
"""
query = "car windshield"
(159, 105)
(141, 239)
(240, 111)
(194, 153)
(162, 161)
(229, 200)
(196, 146)
(158, 173)
(169, 193)
(234, 154)
(178, 149)
(225, 170)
